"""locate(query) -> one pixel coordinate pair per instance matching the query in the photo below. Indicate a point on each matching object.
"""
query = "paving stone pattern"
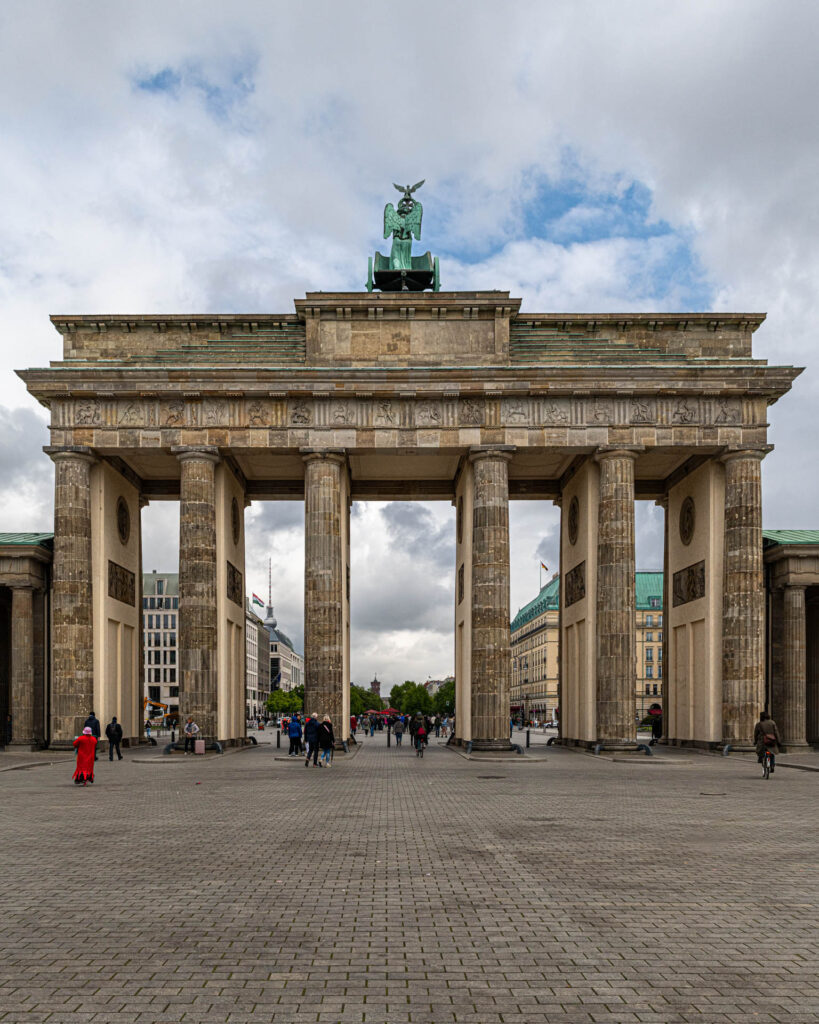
(392, 889)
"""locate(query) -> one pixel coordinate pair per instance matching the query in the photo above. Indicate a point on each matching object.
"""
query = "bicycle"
(767, 762)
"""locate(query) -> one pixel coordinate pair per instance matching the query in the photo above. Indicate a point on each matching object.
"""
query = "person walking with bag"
(93, 723)
(311, 728)
(326, 740)
(86, 748)
(398, 730)
(294, 732)
(113, 733)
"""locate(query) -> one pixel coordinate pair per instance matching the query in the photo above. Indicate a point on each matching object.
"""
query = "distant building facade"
(286, 664)
(535, 649)
(160, 614)
(257, 664)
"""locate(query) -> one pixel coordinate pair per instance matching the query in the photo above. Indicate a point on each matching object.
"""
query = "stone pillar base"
(493, 745)
(22, 745)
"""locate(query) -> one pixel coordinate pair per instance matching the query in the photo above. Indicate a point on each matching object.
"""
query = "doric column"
(792, 697)
(197, 589)
(743, 600)
(22, 666)
(324, 583)
(616, 642)
(72, 688)
(491, 649)
(666, 683)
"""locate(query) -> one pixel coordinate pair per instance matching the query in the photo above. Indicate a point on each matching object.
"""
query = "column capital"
(491, 451)
(19, 585)
(143, 501)
(338, 455)
(65, 452)
(758, 451)
(202, 453)
(614, 451)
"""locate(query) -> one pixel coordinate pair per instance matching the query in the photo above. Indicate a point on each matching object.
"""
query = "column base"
(740, 747)
(794, 748)
(22, 745)
(493, 745)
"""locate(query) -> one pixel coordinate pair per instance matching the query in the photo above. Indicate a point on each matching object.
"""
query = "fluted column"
(197, 631)
(22, 666)
(791, 702)
(324, 583)
(491, 648)
(616, 641)
(743, 655)
(72, 687)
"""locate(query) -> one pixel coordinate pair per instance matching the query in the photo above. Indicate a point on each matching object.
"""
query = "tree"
(362, 700)
(410, 697)
(285, 702)
(444, 699)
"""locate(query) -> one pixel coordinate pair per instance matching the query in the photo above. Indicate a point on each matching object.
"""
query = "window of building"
(659, 620)
(172, 679)
(174, 691)
(659, 671)
(153, 693)
(166, 621)
(649, 620)
(144, 602)
(160, 586)
(654, 689)
(171, 657)
(649, 636)
(660, 636)
(649, 654)
(173, 622)
(157, 657)
(648, 689)
(157, 640)
(174, 602)
(655, 602)
(659, 654)
(649, 671)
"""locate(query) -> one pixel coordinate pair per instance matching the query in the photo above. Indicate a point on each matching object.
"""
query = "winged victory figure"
(403, 224)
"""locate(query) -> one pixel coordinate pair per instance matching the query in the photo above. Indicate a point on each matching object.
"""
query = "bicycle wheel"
(766, 766)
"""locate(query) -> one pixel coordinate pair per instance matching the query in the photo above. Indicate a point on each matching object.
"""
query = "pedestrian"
(437, 725)
(191, 732)
(353, 725)
(398, 729)
(86, 756)
(147, 730)
(656, 713)
(294, 732)
(93, 723)
(766, 737)
(326, 739)
(113, 733)
(372, 725)
(311, 728)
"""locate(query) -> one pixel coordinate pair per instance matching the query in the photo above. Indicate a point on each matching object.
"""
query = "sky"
(587, 156)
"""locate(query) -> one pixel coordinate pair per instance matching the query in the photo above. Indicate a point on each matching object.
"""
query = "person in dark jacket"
(294, 732)
(766, 737)
(326, 739)
(93, 723)
(113, 733)
(311, 728)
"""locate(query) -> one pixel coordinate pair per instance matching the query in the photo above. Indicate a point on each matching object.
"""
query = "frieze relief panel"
(688, 584)
(409, 411)
(234, 584)
(576, 584)
(121, 584)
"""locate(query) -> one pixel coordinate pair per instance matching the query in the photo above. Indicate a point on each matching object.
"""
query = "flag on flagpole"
(257, 600)
(544, 567)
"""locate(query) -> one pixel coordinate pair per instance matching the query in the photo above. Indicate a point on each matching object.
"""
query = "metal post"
(527, 738)
(278, 737)
(389, 728)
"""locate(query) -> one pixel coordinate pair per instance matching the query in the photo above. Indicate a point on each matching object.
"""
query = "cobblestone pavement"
(393, 889)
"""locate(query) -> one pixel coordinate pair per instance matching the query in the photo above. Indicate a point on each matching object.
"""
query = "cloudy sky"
(227, 157)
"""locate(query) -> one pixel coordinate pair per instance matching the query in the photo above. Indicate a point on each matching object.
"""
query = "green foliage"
(282, 702)
(362, 700)
(410, 697)
(444, 699)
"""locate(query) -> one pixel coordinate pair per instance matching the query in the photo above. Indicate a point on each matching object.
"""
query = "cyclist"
(766, 737)
(420, 737)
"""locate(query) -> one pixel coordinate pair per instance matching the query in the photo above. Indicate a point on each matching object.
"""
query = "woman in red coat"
(86, 745)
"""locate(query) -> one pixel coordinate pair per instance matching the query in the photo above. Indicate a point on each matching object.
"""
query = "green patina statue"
(402, 271)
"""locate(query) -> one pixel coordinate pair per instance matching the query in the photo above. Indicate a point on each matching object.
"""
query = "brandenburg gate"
(403, 393)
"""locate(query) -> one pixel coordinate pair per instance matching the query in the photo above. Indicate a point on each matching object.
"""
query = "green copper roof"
(27, 538)
(791, 536)
(546, 600)
(648, 585)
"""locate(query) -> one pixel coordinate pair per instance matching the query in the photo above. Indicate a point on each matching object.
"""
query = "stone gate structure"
(449, 395)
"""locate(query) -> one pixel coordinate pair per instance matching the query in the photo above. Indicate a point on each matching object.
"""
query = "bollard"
(527, 739)
(173, 735)
(278, 737)
(388, 736)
